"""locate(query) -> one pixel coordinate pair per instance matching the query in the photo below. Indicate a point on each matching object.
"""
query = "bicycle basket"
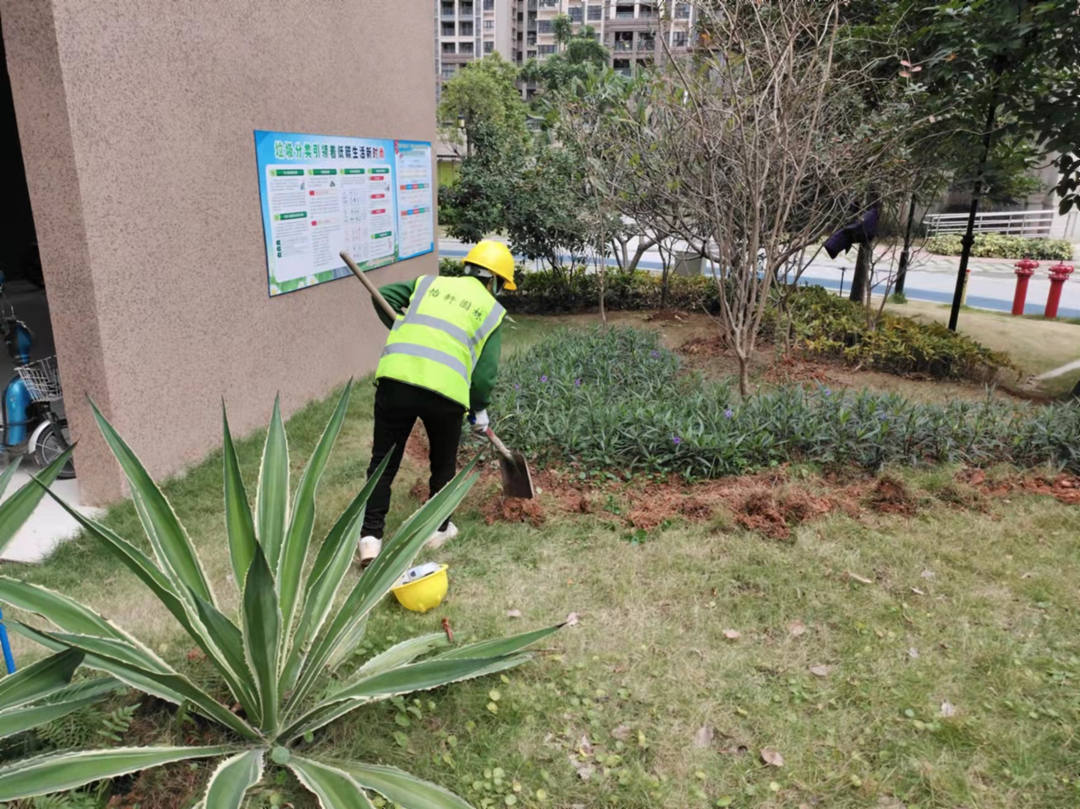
(41, 379)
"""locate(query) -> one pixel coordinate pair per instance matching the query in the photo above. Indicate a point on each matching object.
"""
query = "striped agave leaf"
(276, 654)
(15, 510)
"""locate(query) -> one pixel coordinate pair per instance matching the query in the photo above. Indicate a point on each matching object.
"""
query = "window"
(679, 39)
(489, 5)
(596, 12)
(646, 42)
(465, 47)
(624, 41)
(449, 47)
(547, 50)
(576, 13)
(544, 26)
(624, 12)
(448, 71)
(465, 29)
(466, 9)
(682, 11)
(489, 47)
(447, 29)
(489, 25)
(448, 9)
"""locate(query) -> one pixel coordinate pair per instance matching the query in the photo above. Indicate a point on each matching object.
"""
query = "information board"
(322, 194)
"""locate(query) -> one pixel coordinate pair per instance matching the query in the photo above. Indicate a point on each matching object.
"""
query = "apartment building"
(471, 29)
(520, 30)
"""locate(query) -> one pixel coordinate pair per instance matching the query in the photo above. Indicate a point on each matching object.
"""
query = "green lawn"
(949, 679)
(1034, 343)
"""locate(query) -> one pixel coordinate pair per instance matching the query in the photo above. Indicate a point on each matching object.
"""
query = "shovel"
(516, 479)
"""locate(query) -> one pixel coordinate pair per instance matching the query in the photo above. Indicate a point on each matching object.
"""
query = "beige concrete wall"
(136, 121)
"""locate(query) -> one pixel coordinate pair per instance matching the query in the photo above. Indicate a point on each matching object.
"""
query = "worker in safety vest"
(440, 361)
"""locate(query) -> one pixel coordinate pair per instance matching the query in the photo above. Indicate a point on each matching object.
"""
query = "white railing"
(1012, 223)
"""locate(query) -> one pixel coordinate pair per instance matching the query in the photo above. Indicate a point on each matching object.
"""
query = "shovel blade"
(516, 479)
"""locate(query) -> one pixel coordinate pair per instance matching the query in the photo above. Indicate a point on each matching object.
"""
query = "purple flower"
(577, 383)
(826, 392)
(543, 378)
(883, 416)
(517, 386)
(676, 440)
(654, 354)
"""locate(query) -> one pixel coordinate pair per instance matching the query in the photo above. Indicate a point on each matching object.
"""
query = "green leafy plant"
(833, 326)
(275, 657)
(43, 692)
(1000, 245)
(615, 399)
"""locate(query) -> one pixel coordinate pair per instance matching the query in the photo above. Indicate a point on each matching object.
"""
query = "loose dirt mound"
(1064, 487)
(891, 496)
(774, 513)
(513, 509)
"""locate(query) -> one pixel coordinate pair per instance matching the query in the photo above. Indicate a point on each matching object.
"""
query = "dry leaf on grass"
(772, 757)
(948, 709)
(584, 771)
(819, 671)
(732, 634)
(913, 653)
(858, 578)
(796, 628)
(927, 574)
(513, 613)
(621, 733)
(704, 736)
(917, 591)
(572, 619)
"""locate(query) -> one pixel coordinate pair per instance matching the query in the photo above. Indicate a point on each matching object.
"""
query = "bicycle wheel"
(51, 444)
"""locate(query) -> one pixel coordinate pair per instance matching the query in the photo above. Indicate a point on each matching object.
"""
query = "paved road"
(931, 278)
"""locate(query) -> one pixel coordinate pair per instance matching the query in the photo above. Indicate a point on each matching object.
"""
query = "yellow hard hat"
(496, 257)
(422, 587)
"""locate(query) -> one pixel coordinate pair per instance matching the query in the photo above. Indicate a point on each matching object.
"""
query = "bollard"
(1025, 268)
(1059, 273)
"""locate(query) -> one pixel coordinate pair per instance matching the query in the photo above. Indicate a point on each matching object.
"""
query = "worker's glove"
(479, 421)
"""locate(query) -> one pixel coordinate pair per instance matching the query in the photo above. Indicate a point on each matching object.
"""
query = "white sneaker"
(440, 538)
(368, 549)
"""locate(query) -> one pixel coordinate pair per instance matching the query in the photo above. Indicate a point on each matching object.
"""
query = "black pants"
(397, 407)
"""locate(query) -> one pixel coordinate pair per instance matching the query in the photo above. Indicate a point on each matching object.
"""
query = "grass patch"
(647, 702)
(1034, 344)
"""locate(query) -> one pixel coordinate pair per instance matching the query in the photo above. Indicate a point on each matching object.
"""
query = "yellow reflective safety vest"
(436, 343)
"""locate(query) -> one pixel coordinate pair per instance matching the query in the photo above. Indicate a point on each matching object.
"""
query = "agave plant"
(276, 656)
(42, 692)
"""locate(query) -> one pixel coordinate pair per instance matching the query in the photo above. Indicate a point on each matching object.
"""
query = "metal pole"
(9, 658)
(969, 234)
(905, 254)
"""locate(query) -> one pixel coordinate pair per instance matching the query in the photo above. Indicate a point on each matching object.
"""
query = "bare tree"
(757, 146)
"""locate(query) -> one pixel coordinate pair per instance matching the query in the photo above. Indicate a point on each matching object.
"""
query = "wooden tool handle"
(499, 445)
(379, 299)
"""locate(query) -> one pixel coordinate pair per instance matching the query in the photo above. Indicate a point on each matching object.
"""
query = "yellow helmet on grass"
(496, 258)
(422, 587)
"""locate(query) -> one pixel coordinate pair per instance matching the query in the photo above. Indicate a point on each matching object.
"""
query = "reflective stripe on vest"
(436, 343)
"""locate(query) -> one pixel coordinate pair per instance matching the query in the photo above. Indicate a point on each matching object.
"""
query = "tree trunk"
(744, 375)
(860, 282)
(905, 254)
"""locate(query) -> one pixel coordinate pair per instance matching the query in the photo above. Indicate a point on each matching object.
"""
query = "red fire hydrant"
(1058, 275)
(1025, 268)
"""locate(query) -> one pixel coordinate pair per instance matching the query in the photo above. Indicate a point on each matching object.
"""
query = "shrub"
(273, 661)
(998, 245)
(829, 325)
(577, 289)
(614, 399)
